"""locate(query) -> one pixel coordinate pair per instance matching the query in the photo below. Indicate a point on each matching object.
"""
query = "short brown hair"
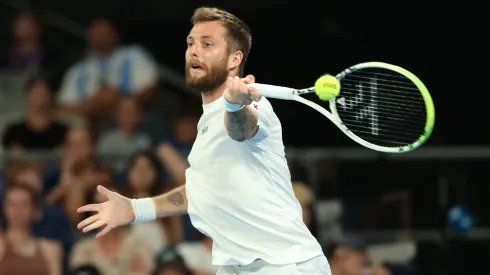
(239, 35)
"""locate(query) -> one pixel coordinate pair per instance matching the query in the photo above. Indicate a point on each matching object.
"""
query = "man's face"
(102, 36)
(128, 114)
(25, 28)
(79, 144)
(352, 262)
(39, 96)
(207, 56)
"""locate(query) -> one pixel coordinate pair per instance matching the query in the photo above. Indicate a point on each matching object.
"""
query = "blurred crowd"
(93, 115)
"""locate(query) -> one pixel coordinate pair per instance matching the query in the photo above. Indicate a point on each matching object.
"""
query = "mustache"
(188, 65)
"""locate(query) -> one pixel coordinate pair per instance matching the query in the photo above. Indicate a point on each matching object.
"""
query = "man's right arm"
(172, 203)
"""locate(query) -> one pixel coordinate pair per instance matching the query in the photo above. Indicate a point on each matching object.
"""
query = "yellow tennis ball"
(327, 87)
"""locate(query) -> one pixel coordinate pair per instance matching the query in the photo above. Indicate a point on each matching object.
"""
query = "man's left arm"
(243, 124)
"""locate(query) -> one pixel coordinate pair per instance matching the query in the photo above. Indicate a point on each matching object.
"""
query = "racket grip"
(272, 91)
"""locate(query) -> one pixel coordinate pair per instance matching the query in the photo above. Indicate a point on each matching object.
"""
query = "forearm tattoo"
(241, 125)
(176, 199)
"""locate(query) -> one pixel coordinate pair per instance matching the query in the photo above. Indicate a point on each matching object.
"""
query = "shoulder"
(50, 247)
(86, 243)
(77, 66)
(109, 136)
(75, 70)
(15, 126)
(134, 50)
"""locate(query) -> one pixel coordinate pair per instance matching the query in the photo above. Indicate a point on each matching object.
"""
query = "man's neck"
(18, 235)
(38, 119)
(102, 54)
(335, 270)
(127, 131)
(211, 96)
(28, 46)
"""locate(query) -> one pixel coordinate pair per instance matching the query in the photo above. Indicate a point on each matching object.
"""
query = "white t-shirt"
(240, 193)
(198, 257)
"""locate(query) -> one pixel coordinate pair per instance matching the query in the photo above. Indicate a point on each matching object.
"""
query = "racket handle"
(272, 91)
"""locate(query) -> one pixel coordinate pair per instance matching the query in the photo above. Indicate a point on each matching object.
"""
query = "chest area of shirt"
(212, 139)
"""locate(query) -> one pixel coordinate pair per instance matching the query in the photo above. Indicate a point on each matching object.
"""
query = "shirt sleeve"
(145, 72)
(264, 112)
(68, 92)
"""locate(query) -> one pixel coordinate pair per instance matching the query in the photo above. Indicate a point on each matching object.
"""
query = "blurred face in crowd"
(79, 144)
(349, 261)
(39, 96)
(19, 208)
(26, 28)
(207, 57)
(102, 36)
(142, 174)
(128, 114)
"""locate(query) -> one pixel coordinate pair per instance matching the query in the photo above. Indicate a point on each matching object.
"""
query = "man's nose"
(194, 51)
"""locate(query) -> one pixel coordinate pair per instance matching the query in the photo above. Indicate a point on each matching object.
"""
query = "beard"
(212, 77)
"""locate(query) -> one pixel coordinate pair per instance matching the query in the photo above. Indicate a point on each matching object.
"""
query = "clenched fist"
(238, 91)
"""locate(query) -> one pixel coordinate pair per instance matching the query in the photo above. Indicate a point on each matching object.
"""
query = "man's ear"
(235, 60)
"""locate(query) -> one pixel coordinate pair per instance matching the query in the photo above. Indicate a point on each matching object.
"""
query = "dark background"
(294, 42)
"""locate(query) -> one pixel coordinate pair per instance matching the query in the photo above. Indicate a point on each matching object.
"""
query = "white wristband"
(231, 107)
(144, 210)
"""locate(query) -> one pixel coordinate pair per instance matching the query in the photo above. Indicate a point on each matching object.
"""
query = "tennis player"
(238, 188)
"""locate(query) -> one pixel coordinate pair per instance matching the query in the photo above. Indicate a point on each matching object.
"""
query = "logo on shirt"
(256, 107)
(204, 130)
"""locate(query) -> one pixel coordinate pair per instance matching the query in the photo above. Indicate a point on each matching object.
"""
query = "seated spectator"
(77, 174)
(39, 130)
(27, 50)
(306, 199)
(198, 256)
(185, 132)
(20, 251)
(92, 87)
(117, 253)
(125, 140)
(348, 256)
(145, 178)
(169, 262)
(51, 222)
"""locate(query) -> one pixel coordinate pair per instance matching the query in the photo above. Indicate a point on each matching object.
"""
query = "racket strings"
(384, 82)
(393, 97)
(403, 130)
(401, 118)
(382, 107)
(396, 104)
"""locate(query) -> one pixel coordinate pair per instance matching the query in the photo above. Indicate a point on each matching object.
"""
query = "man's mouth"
(196, 67)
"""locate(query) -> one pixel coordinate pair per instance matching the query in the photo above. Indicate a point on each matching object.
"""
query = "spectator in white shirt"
(91, 87)
(198, 257)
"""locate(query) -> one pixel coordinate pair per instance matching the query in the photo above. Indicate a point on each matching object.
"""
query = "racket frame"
(285, 93)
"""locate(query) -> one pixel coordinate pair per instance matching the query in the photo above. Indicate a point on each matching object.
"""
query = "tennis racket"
(380, 106)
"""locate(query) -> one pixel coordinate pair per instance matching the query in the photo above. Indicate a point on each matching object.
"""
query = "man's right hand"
(116, 211)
